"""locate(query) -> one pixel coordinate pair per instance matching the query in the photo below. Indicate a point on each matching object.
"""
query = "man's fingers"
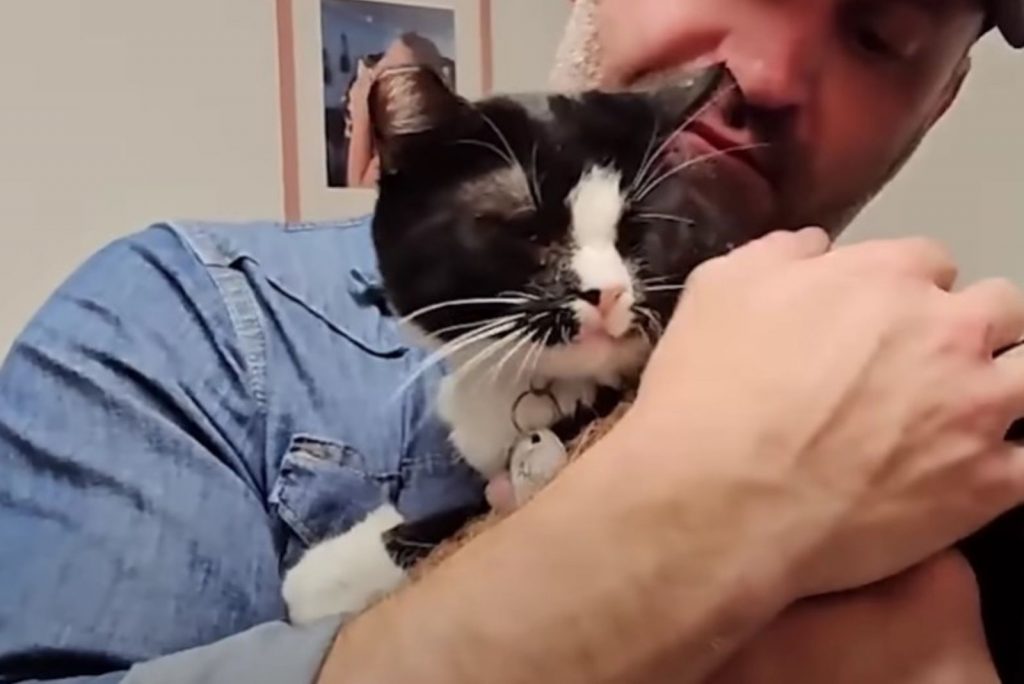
(915, 257)
(765, 253)
(1009, 382)
(500, 494)
(784, 246)
(1003, 476)
(1000, 304)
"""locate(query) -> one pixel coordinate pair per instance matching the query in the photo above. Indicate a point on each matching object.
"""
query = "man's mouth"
(725, 145)
(726, 163)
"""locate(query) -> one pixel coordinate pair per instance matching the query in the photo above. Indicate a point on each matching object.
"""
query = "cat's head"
(550, 232)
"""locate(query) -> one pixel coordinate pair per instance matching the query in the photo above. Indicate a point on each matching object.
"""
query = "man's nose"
(777, 64)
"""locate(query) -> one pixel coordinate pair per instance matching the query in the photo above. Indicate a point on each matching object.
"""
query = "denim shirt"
(193, 408)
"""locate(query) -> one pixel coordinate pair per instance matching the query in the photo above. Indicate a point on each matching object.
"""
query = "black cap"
(1008, 15)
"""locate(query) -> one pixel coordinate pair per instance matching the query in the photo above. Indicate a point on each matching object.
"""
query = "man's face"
(838, 92)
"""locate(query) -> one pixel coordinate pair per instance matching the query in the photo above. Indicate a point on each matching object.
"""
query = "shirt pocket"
(323, 489)
(434, 478)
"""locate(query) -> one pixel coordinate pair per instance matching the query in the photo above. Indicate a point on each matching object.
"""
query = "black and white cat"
(538, 245)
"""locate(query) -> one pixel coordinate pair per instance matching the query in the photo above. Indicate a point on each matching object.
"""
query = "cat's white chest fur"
(487, 419)
(507, 387)
(494, 426)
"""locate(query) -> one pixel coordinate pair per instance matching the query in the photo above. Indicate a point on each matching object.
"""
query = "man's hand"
(874, 635)
(851, 392)
(812, 421)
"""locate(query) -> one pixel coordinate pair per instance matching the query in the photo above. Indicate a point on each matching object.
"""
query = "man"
(198, 403)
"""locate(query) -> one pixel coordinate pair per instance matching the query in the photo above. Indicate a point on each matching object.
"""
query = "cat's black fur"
(437, 244)
(468, 248)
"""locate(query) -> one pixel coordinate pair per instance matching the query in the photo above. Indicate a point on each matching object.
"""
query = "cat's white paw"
(346, 574)
(536, 459)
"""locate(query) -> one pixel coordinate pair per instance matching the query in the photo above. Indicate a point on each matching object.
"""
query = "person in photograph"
(338, 123)
(363, 168)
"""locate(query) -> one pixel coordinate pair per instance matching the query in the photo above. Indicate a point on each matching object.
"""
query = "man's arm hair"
(546, 595)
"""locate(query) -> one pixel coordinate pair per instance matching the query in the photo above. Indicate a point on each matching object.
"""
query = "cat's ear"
(681, 100)
(407, 106)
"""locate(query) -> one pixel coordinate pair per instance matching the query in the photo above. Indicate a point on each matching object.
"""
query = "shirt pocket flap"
(323, 489)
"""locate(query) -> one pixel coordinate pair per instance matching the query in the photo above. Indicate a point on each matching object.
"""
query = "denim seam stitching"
(248, 324)
(240, 302)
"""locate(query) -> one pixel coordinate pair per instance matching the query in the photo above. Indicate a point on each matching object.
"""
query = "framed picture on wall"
(329, 52)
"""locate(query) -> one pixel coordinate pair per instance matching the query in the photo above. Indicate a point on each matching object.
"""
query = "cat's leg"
(344, 575)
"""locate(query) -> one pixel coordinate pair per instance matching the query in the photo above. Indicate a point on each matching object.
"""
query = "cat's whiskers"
(512, 158)
(513, 163)
(523, 338)
(645, 161)
(473, 301)
(658, 329)
(520, 293)
(653, 185)
(636, 263)
(656, 279)
(466, 368)
(643, 175)
(453, 347)
(536, 353)
(411, 544)
(472, 325)
(535, 180)
(663, 217)
(487, 146)
(665, 288)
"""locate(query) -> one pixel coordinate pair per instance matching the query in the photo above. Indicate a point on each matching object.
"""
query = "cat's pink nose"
(605, 299)
(610, 297)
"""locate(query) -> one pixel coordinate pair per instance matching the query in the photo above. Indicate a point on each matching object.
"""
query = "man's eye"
(871, 41)
(894, 33)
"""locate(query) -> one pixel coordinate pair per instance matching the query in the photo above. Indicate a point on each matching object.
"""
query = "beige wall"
(525, 37)
(119, 112)
(966, 184)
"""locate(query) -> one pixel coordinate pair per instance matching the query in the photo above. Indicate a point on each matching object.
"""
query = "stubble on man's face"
(835, 94)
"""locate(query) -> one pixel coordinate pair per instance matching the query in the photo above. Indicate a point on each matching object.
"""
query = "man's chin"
(730, 212)
(740, 218)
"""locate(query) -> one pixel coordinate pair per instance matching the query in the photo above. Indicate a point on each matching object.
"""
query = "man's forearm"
(549, 596)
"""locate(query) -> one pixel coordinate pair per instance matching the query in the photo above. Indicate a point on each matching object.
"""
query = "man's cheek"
(640, 36)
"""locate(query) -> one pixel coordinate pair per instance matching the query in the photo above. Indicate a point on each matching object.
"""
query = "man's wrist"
(727, 536)
(728, 491)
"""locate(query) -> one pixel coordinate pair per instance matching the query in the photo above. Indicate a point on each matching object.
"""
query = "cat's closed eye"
(521, 224)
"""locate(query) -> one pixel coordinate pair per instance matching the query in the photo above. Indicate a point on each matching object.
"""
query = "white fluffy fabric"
(578, 60)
